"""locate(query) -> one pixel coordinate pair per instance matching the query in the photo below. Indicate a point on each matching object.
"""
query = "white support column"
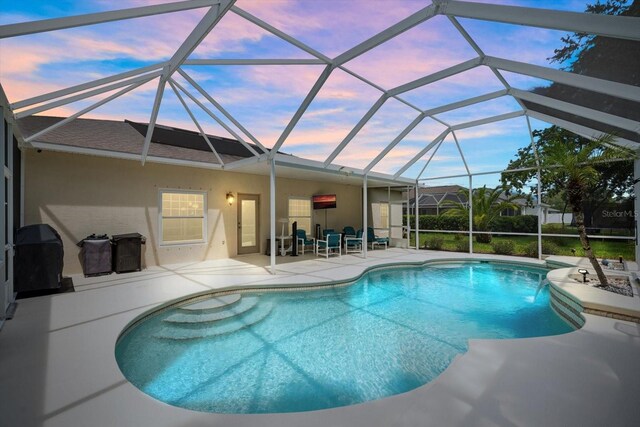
(23, 166)
(636, 189)
(365, 213)
(272, 213)
(417, 215)
(389, 212)
(4, 304)
(534, 148)
(408, 221)
(470, 201)
(9, 220)
(539, 176)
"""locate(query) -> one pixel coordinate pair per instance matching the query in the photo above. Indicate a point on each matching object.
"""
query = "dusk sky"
(263, 98)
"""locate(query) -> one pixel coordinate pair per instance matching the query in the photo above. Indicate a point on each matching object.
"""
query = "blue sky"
(263, 98)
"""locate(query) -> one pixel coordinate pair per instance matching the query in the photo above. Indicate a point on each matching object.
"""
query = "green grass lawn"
(567, 229)
(603, 248)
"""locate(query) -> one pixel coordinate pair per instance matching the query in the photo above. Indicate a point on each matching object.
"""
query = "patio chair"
(374, 240)
(327, 231)
(353, 244)
(303, 240)
(329, 246)
(349, 231)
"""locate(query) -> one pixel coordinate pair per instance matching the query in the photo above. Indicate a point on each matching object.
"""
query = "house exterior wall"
(79, 195)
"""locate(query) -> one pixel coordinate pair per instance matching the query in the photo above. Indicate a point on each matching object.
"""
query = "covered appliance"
(38, 258)
(95, 255)
(127, 252)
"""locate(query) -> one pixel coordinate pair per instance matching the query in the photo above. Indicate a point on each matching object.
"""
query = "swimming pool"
(391, 331)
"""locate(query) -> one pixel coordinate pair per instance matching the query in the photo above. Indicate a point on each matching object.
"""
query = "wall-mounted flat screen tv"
(324, 201)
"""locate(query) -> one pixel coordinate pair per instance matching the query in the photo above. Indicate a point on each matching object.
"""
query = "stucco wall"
(79, 195)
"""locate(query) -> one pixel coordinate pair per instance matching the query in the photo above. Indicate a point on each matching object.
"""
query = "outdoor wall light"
(584, 273)
(230, 198)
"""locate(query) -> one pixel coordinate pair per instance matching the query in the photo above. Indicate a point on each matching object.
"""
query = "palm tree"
(574, 166)
(487, 204)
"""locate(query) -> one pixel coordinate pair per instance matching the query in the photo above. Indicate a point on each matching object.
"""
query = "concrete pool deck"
(57, 363)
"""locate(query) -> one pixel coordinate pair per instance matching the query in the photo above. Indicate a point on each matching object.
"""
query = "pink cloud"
(420, 51)
(334, 28)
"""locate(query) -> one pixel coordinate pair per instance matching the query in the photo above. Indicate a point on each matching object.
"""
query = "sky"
(264, 98)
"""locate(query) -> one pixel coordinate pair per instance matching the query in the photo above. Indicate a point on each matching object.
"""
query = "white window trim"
(309, 199)
(382, 202)
(204, 219)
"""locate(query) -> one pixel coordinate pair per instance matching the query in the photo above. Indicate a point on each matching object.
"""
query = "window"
(380, 215)
(300, 210)
(182, 216)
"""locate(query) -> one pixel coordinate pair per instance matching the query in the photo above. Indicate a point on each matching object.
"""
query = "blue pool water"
(390, 332)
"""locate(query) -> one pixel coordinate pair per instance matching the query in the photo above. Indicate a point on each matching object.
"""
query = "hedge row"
(513, 224)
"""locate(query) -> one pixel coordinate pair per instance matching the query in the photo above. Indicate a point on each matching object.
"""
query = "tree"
(487, 204)
(574, 168)
(608, 58)
(615, 179)
(578, 47)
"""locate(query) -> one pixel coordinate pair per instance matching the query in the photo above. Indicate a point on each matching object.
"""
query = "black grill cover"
(39, 258)
(95, 255)
(127, 252)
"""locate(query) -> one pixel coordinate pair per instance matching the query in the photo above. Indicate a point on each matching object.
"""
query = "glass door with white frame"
(248, 223)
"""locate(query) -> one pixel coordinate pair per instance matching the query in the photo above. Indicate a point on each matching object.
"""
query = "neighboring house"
(437, 200)
(86, 177)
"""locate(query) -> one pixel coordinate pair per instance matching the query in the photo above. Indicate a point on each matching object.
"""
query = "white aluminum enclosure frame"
(627, 28)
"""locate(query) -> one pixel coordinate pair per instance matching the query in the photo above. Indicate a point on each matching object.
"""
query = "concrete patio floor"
(57, 363)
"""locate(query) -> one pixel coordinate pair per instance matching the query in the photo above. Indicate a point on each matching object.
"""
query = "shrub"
(484, 237)
(515, 224)
(453, 223)
(503, 247)
(525, 224)
(502, 223)
(428, 222)
(434, 242)
(531, 250)
(462, 245)
(548, 248)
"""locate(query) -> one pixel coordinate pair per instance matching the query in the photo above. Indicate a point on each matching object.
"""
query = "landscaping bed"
(527, 245)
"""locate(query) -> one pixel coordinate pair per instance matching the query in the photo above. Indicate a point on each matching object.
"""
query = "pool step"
(212, 304)
(228, 326)
(207, 316)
